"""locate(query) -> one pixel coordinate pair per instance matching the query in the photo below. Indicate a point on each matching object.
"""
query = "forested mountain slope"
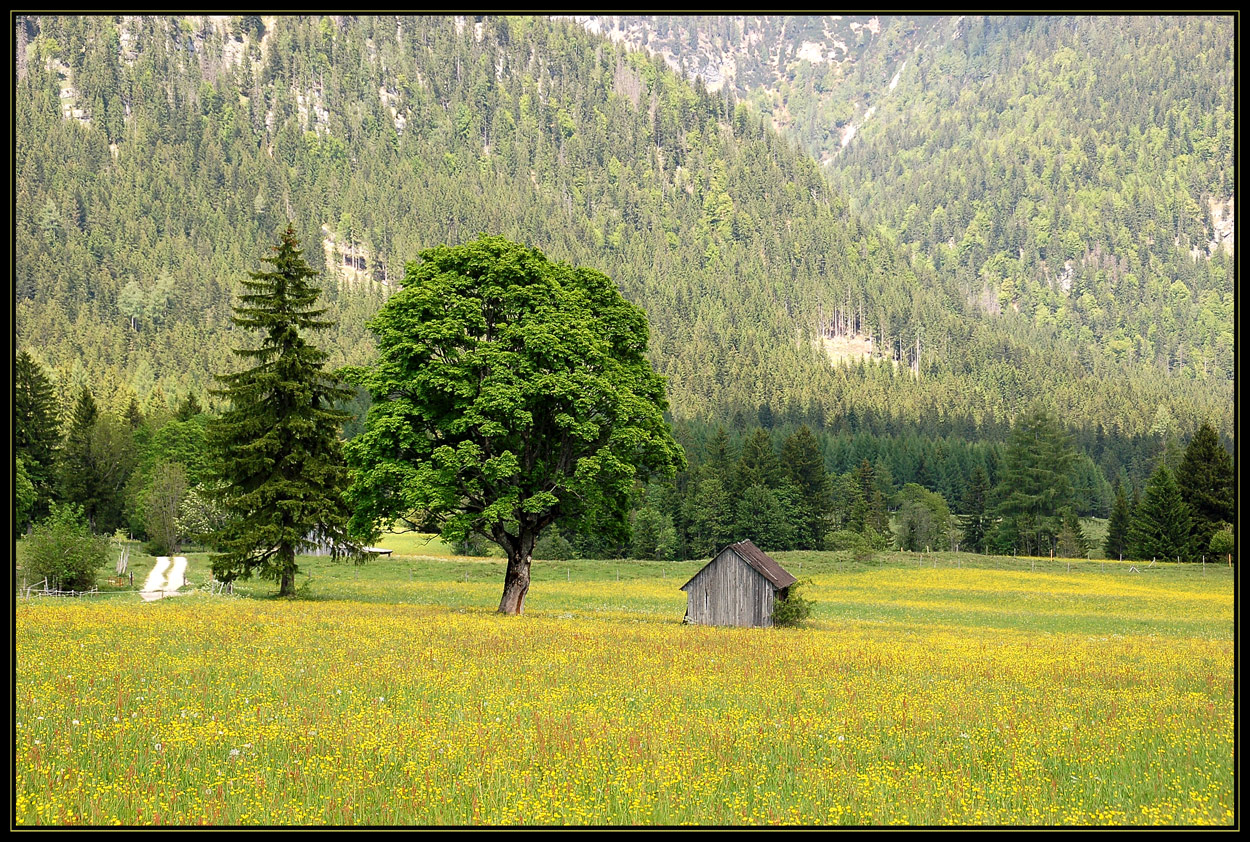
(155, 158)
(1076, 173)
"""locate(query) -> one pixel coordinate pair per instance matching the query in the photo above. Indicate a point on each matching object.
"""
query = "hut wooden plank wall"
(739, 587)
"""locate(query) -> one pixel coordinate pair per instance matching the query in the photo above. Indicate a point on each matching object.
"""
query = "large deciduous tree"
(510, 392)
(279, 457)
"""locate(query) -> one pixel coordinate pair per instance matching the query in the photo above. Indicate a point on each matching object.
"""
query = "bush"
(62, 549)
(792, 609)
(861, 545)
(1223, 542)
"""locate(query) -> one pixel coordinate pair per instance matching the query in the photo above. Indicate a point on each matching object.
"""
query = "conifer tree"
(36, 431)
(975, 520)
(870, 511)
(277, 444)
(1161, 525)
(758, 464)
(1071, 541)
(804, 466)
(1036, 486)
(1206, 483)
(1116, 544)
(78, 483)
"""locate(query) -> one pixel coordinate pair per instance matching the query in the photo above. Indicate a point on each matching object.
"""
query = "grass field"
(943, 689)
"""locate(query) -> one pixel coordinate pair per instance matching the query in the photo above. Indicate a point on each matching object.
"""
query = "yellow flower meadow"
(913, 698)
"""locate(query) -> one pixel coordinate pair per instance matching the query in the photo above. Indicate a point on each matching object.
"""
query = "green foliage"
(1223, 542)
(710, 518)
(1116, 544)
(793, 609)
(510, 393)
(62, 549)
(1071, 541)
(924, 520)
(136, 255)
(975, 520)
(1207, 484)
(1036, 487)
(645, 534)
(201, 515)
(36, 432)
(861, 545)
(761, 517)
(278, 455)
(162, 505)
(552, 546)
(1162, 527)
(24, 496)
(804, 466)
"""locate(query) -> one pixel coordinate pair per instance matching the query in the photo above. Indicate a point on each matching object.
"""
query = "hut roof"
(759, 561)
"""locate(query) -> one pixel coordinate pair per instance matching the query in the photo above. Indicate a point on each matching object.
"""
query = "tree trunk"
(516, 582)
(286, 578)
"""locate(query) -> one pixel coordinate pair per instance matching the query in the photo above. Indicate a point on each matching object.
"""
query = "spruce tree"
(1036, 485)
(873, 515)
(36, 431)
(1116, 544)
(975, 520)
(78, 481)
(758, 464)
(277, 445)
(1161, 525)
(1071, 541)
(1206, 483)
(804, 466)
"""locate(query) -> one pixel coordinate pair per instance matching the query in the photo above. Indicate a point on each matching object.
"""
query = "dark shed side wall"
(729, 592)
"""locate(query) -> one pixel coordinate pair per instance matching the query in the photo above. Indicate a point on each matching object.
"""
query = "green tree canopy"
(510, 392)
(62, 550)
(1036, 486)
(975, 520)
(1116, 544)
(804, 465)
(1207, 485)
(1161, 525)
(278, 452)
(36, 431)
(924, 519)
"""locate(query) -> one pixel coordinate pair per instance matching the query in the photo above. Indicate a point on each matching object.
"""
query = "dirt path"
(165, 579)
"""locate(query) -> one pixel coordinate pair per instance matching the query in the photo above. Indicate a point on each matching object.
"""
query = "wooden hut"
(738, 587)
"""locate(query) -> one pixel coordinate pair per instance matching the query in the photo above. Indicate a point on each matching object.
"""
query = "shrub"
(62, 549)
(1223, 542)
(861, 545)
(792, 609)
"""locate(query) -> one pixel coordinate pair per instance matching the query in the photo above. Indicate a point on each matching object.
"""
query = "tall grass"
(392, 694)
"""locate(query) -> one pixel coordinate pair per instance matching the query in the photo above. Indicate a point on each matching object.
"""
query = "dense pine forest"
(1030, 222)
